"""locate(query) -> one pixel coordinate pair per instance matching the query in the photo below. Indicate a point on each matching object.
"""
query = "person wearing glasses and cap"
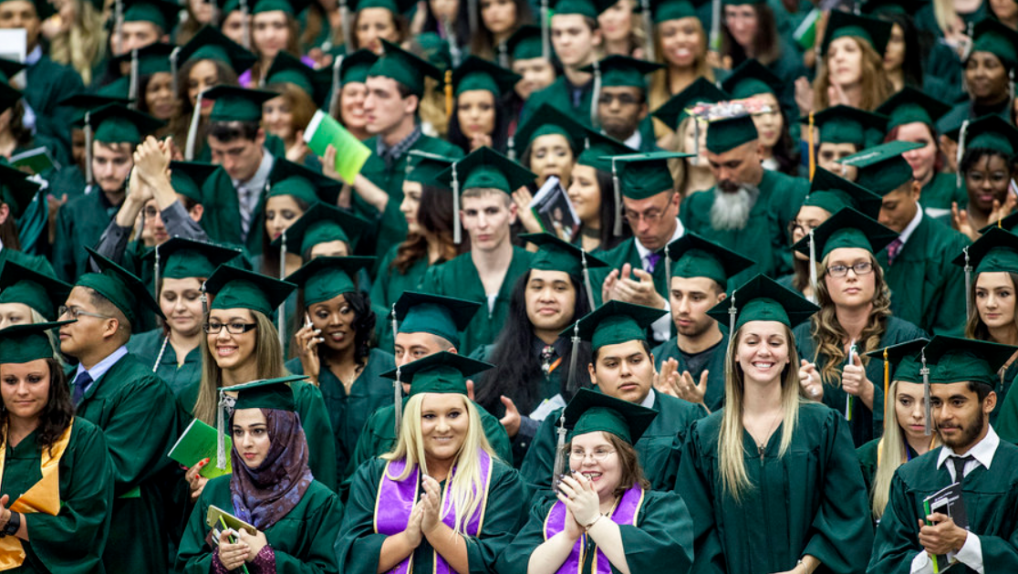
(622, 101)
(959, 375)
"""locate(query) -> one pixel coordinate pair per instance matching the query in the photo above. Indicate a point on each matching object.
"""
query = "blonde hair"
(466, 486)
(660, 88)
(431, 108)
(83, 45)
(876, 88)
(731, 451)
(269, 354)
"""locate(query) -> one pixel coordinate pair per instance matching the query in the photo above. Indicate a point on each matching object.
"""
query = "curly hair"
(55, 416)
(876, 88)
(363, 325)
(434, 214)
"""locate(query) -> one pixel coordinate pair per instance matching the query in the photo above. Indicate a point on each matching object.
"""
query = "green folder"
(351, 154)
(198, 443)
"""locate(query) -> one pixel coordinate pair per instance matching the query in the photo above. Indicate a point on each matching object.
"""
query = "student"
(851, 71)
(271, 488)
(57, 488)
(349, 110)
(688, 134)
(622, 367)
(622, 101)
(479, 118)
(751, 80)
(592, 192)
(301, 91)
(28, 296)
(989, 71)
(528, 60)
(961, 374)
(113, 390)
(145, 22)
(770, 457)
(443, 506)
(841, 131)
(987, 166)
(376, 22)
(274, 29)
(630, 526)
(547, 144)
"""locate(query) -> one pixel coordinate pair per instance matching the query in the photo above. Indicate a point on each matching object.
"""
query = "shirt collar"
(33, 57)
(648, 401)
(983, 451)
(396, 151)
(260, 176)
(634, 141)
(644, 252)
(912, 225)
(99, 369)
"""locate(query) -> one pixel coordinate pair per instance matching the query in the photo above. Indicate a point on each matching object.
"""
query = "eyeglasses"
(214, 327)
(76, 313)
(860, 268)
(598, 454)
(650, 216)
(150, 212)
(623, 99)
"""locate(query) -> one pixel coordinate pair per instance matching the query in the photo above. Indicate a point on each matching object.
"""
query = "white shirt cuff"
(921, 564)
(971, 553)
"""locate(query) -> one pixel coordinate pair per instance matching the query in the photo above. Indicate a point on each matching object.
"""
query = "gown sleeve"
(663, 539)
(150, 405)
(194, 556)
(516, 557)
(320, 436)
(694, 483)
(319, 529)
(539, 461)
(358, 546)
(505, 505)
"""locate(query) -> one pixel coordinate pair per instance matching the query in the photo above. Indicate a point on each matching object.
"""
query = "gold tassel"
(812, 149)
(448, 93)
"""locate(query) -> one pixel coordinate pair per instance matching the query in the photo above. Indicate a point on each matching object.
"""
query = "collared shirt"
(634, 141)
(648, 401)
(907, 232)
(391, 154)
(99, 369)
(971, 553)
(662, 327)
(249, 192)
(32, 58)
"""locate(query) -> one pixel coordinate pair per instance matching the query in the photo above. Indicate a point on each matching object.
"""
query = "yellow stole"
(44, 496)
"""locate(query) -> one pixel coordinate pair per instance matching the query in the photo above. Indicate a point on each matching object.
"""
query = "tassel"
(511, 148)
(457, 234)
(596, 94)
(668, 272)
(281, 312)
(454, 47)
(88, 147)
(192, 130)
(473, 15)
(118, 26)
(715, 26)
(337, 85)
(559, 467)
(221, 430)
(174, 56)
(573, 358)
(545, 32)
(503, 55)
(156, 272)
(696, 137)
(204, 303)
(648, 25)
(618, 201)
(245, 24)
(961, 151)
(888, 404)
(812, 148)
(586, 279)
(448, 93)
(132, 88)
(968, 283)
(732, 312)
(925, 372)
(1010, 84)
(812, 268)
(347, 24)
(397, 389)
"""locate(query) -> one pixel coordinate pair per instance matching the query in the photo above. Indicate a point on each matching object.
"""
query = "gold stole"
(44, 496)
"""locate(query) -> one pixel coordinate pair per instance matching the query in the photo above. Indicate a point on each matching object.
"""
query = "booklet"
(351, 154)
(37, 160)
(947, 501)
(198, 442)
(216, 517)
(554, 211)
(14, 46)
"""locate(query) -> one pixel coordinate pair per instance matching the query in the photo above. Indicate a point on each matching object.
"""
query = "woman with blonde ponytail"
(771, 458)
(80, 41)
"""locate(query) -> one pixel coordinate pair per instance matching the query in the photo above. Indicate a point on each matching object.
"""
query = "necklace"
(762, 446)
(162, 349)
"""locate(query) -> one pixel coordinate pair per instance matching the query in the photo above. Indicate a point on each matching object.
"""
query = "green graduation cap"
(405, 68)
(525, 43)
(613, 323)
(211, 44)
(547, 120)
(599, 150)
(846, 228)
(19, 284)
(910, 106)
(762, 299)
(666, 10)
(354, 68)
(882, 169)
(700, 91)
(693, 256)
(394, 6)
(891, 7)
(163, 14)
(644, 175)
(188, 177)
(906, 358)
(995, 252)
(993, 133)
(749, 79)
(957, 360)
(741, 2)
(290, 69)
(16, 189)
(307, 185)
(486, 168)
(554, 254)
(116, 123)
(27, 342)
(589, 8)
(623, 71)
(180, 258)
(832, 193)
(442, 372)
(324, 278)
(844, 24)
(274, 394)
(322, 223)
(444, 317)
(846, 124)
(479, 74)
(125, 291)
(235, 104)
(152, 59)
(119, 89)
(423, 167)
(8, 97)
(727, 134)
(591, 411)
(291, 7)
(990, 35)
(88, 102)
(236, 288)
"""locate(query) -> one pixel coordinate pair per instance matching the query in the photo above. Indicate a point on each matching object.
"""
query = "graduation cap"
(762, 299)
(27, 342)
(181, 258)
(525, 43)
(990, 132)
(910, 106)
(700, 91)
(211, 44)
(749, 79)
(996, 251)
(401, 7)
(405, 68)
(907, 358)
(324, 278)
(622, 71)
(145, 61)
(116, 123)
(236, 104)
(290, 69)
(442, 372)
(990, 35)
(726, 134)
(845, 229)
(322, 223)
(444, 317)
(188, 177)
(547, 120)
(554, 254)
(42, 292)
(83, 102)
(693, 256)
(589, 8)
(16, 189)
(966, 360)
(479, 74)
(8, 97)
(236, 288)
(125, 291)
(424, 167)
(159, 12)
(832, 193)
(354, 67)
(846, 124)
(307, 185)
(590, 411)
(846, 24)
(666, 10)
(599, 150)
(290, 7)
(892, 7)
(273, 394)
(882, 169)
(615, 322)
(639, 176)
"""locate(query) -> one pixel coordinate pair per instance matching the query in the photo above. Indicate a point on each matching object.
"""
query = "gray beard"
(730, 211)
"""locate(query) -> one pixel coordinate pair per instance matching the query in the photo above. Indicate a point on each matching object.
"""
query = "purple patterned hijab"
(262, 496)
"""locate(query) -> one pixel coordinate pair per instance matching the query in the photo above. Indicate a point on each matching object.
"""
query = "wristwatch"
(12, 526)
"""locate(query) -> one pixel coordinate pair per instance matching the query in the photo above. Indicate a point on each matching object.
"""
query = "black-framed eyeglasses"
(77, 313)
(238, 328)
(860, 268)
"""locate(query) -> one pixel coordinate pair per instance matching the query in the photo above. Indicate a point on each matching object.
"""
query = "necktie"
(959, 463)
(546, 354)
(652, 260)
(893, 249)
(80, 383)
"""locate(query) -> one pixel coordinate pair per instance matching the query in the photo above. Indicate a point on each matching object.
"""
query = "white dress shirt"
(662, 328)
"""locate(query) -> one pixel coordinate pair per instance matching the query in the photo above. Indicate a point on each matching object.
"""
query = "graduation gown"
(659, 449)
(301, 540)
(714, 398)
(939, 193)
(348, 413)
(1006, 413)
(991, 503)
(46, 84)
(129, 403)
(180, 378)
(459, 278)
(810, 501)
(869, 458)
(1001, 388)
(616, 257)
(358, 546)
(661, 541)
(866, 424)
(80, 223)
(928, 290)
(765, 238)
(559, 95)
(74, 539)
(389, 285)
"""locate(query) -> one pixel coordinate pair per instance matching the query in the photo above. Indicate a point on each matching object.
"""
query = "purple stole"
(625, 513)
(400, 497)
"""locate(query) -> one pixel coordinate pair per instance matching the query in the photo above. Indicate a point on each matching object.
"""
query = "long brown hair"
(876, 88)
(629, 463)
(766, 43)
(292, 47)
(54, 417)
(434, 213)
(975, 328)
(660, 87)
(180, 123)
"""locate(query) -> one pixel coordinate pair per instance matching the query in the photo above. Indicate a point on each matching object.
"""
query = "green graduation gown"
(46, 84)
(180, 378)
(626, 252)
(765, 238)
(938, 195)
(130, 403)
(869, 455)
(358, 546)
(661, 541)
(459, 278)
(866, 424)
(560, 96)
(714, 398)
(348, 413)
(74, 539)
(1004, 417)
(991, 503)
(301, 540)
(660, 447)
(80, 223)
(389, 285)
(810, 501)
(928, 290)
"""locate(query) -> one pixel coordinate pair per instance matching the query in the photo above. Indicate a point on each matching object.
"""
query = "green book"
(806, 34)
(217, 517)
(36, 160)
(351, 154)
(198, 443)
